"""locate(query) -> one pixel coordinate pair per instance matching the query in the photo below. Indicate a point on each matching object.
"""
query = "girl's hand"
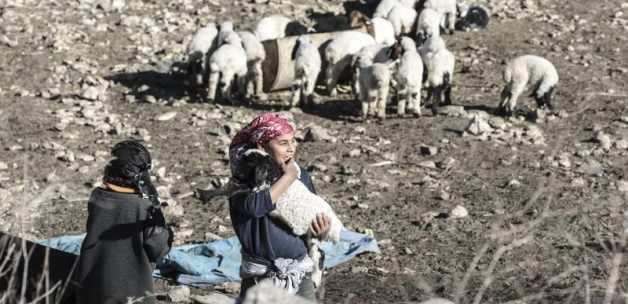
(321, 224)
(290, 168)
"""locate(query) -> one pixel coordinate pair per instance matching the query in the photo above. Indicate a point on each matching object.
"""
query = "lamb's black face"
(258, 169)
(196, 68)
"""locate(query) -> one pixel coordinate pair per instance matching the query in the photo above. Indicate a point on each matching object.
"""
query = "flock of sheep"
(394, 50)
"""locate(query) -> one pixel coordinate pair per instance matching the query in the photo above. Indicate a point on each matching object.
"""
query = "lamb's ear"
(297, 44)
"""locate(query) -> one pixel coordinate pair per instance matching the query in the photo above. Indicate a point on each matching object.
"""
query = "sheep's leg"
(382, 100)
(516, 92)
(315, 255)
(402, 99)
(309, 89)
(447, 93)
(364, 99)
(548, 98)
(451, 22)
(416, 98)
(226, 83)
(356, 83)
(214, 77)
(332, 79)
(258, 77)
(505, 98)
(297, 91)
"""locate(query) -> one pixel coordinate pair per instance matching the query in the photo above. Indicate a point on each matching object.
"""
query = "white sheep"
(226, 65)
(439, 63)
(403, 19)
(225, 29)
(528, 71)
(255, 55)
(409, 78)
(381, 29)
(307, 66)
(428, 24)
(448, 11)
(408, 3)
(376, 53)
(384, 7)
(199, 49)
(272, 27)
(374, 88)
(338, 55)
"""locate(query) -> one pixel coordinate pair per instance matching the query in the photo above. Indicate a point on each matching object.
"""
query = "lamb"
(374, 79)
(428, 25)
(376, 53)
(381, 29)
(403, 19)
(524, 72)
(227, 64)
(448, 11)
(338, 55)
(272, 27)
(225, 29)
(409, 77)
(307, 66)
(199, 49)
(297, 207)
(439, 63)
(255, 55)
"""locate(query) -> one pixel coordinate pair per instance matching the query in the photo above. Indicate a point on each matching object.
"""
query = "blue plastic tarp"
(219, 261)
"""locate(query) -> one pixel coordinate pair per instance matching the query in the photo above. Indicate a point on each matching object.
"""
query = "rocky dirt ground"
(522, 210)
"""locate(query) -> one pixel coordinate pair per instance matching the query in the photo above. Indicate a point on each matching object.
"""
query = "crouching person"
(126, 232)
(270, 250)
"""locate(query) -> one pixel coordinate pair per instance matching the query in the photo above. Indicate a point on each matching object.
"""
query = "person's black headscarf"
(130, 167)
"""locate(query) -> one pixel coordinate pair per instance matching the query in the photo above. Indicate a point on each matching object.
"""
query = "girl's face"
(282, 148)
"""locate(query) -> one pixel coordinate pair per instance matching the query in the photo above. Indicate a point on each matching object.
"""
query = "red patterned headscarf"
(260, 130)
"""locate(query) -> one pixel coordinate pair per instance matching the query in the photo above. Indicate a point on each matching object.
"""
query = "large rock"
(478, 126)
(318, 133)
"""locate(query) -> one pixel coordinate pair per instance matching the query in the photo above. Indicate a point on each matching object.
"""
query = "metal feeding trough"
(278, 67)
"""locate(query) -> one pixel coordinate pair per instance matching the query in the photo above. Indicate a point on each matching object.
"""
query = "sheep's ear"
(297, 44)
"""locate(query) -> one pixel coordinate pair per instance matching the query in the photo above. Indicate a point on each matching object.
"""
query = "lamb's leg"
(402, 99)
(356, 83)
(214, 77)
(516, 92)
(382, 101)
(309, 88)
(332, 79)
(317, 272)
(259, 78)
(451, 22)
(416, 98)
(226, 83)
(297, 91)
(505, 98)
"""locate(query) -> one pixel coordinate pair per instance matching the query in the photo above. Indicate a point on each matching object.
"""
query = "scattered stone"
(621, 144)
(513, 183)
(437, 301)
(213, 298)
(459, 212)
(179, 294)
(622, 185)
(478, 126)
(604, 140)
(443, 195)
(591, 167)
(317, 133)
(359, 269)
(497, 123)
(166, 116)
(447, 163)
(454, 111)
(578, 182)
(354, 153)
(3, 166)
(428, 164)
(563, 160)
(428, 150)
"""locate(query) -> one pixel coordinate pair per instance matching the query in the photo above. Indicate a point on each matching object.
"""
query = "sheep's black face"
(257, 169)
(196, 69)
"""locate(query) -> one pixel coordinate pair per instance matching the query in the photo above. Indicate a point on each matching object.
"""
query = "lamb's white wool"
(384, 7)
(408, 3)
(272, 27)
(227, 64)
(374, 88)
(448, 11)
(428, 24)
(298, 207)
(409, 78)
(339, 52)
(307, 66)
(199, 49)
(528, 71)
(225, 29)
(440, 63)
(402, 19)
(376, 53)
(383, 31)
(255, 55)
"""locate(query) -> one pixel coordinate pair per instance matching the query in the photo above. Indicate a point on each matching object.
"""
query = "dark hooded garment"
(126, 236)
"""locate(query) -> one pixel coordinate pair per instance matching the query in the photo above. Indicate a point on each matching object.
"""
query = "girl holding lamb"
(270, 250)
